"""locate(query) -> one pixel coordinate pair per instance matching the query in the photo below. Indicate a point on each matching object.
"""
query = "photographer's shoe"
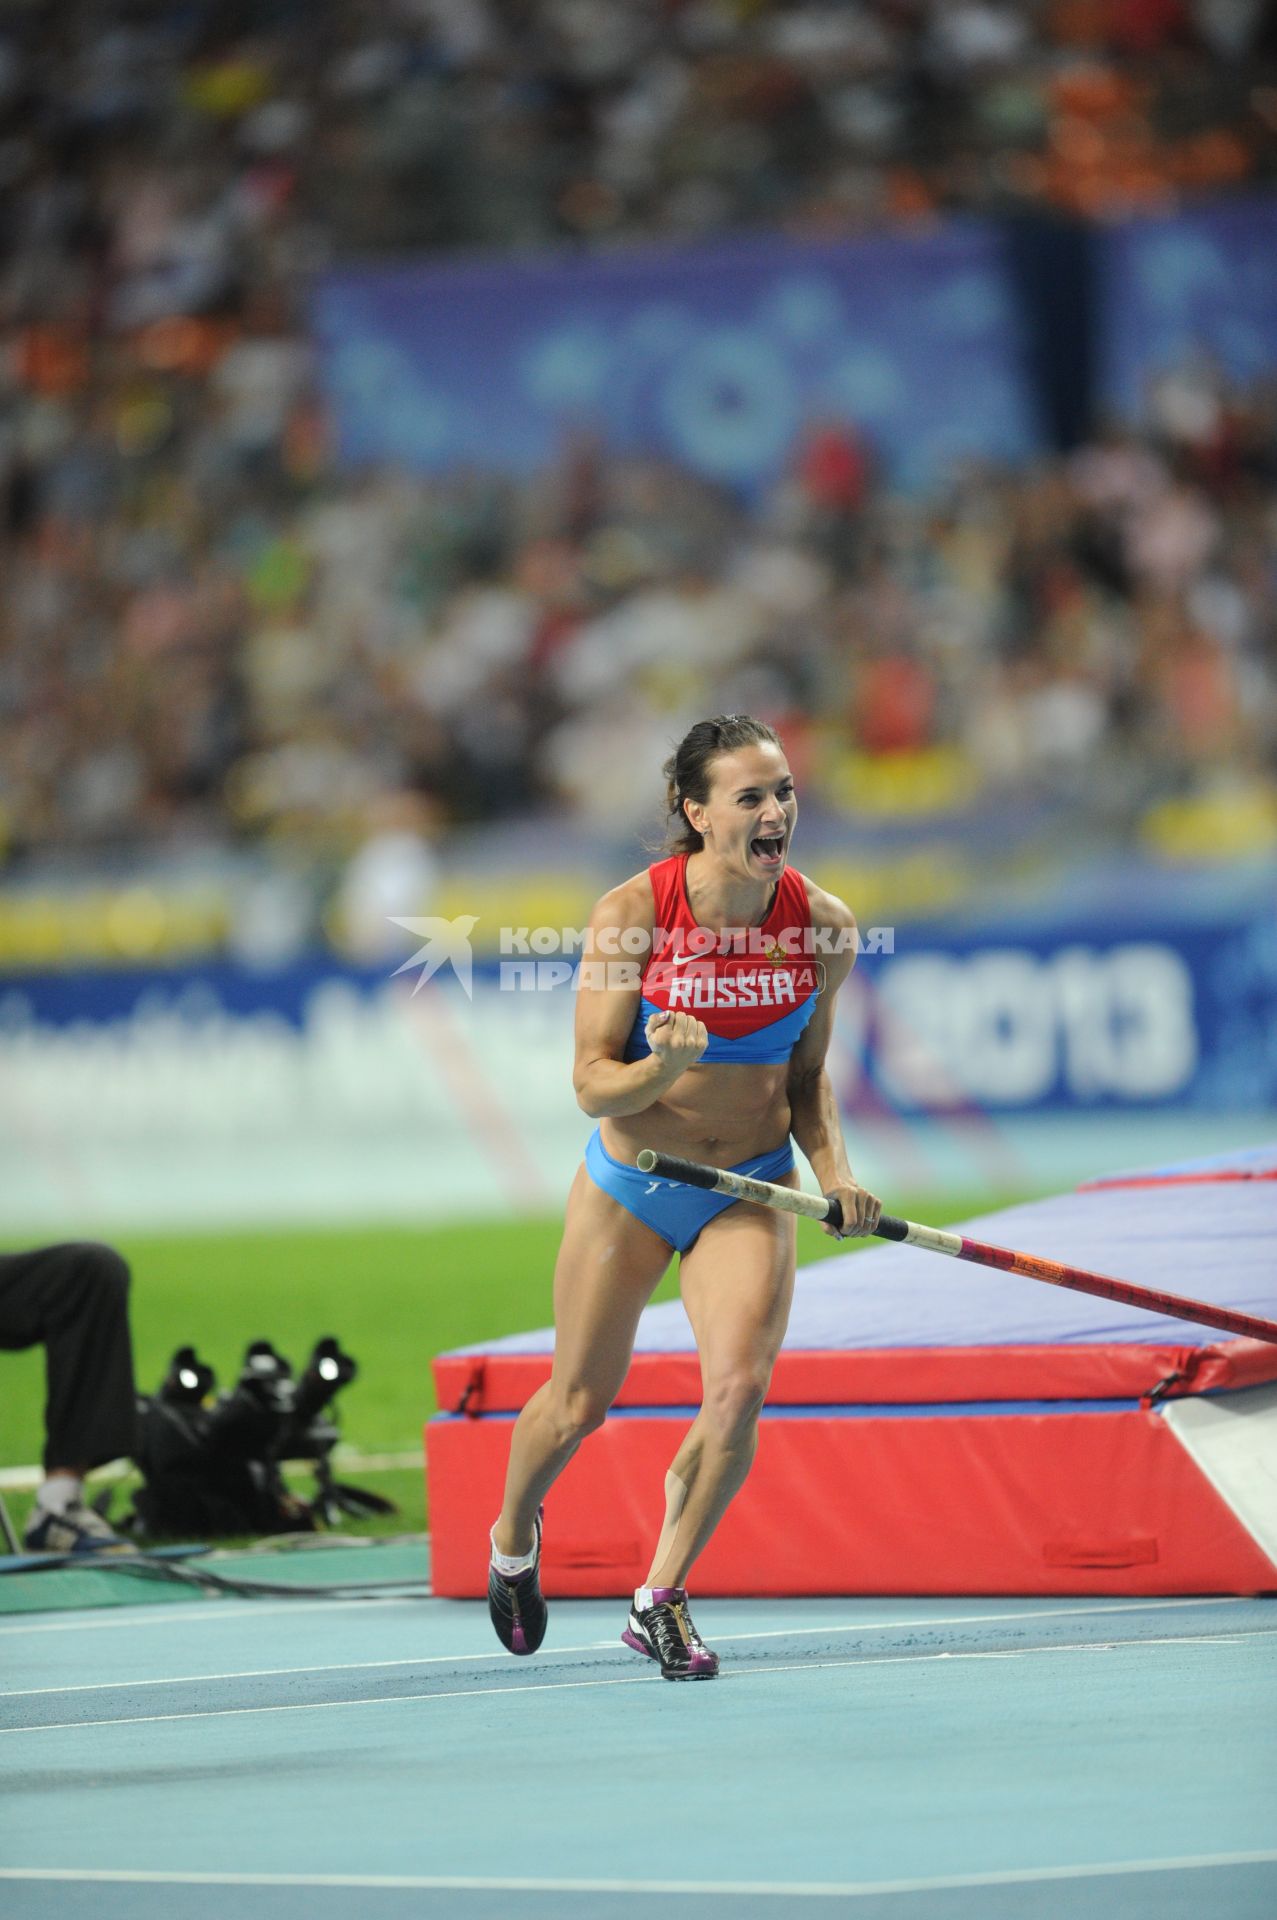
(515, 1605)
(77, 1529)
(664, 1632)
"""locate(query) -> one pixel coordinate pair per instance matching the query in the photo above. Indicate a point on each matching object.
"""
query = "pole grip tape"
(690, 1173)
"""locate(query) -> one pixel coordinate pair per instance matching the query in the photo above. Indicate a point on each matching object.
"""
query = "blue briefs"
(676, 1212)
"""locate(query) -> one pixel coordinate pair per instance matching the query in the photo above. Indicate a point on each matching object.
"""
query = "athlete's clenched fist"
(676, 1038)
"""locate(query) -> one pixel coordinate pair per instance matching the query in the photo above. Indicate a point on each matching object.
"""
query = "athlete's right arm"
(607, 1085)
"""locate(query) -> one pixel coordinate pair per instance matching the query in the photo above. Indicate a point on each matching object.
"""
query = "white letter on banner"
(1008, 1052)
(518, 976)
(553, 973)
(546, 939)
(915, 1031)
(1128, 1020)
(1155, 1042)
(514, 940)
(1082, 996)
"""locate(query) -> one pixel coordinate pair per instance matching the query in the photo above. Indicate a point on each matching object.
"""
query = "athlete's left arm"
(814, 1118)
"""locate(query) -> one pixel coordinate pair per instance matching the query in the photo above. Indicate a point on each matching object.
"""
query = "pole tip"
(646, 1160)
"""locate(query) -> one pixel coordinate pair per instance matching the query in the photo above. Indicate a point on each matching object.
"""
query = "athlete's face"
(748, 821)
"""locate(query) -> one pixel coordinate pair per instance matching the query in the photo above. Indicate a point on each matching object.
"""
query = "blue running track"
(1001, 1759)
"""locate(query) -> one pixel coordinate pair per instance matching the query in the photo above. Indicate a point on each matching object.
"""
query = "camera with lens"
(213, 1464)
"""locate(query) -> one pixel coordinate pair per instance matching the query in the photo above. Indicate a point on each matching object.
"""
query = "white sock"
(512, 1563)
(60, 1491)
(642, 1599)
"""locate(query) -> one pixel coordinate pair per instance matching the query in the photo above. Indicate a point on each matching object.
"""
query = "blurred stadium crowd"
(209, 635)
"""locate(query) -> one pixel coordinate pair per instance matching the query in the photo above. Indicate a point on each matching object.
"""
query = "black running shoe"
(664, 1632)
(515, 1606)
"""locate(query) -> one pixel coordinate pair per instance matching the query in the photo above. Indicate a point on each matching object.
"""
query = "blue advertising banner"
(217, 1095)
(715, 357)
(1011, 1018)
(1203, 282)
(1070, 1019)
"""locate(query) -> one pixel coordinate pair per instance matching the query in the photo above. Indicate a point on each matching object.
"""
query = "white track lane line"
(801, 1889)
(639, 1679)
(272, 1673)
(1132, 1605)
(594, 1646)
(231, 1607)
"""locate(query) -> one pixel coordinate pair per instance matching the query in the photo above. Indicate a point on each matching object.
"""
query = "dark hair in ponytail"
(687, 771)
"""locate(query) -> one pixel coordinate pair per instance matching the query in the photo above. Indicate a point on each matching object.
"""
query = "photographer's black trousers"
(73, 1300)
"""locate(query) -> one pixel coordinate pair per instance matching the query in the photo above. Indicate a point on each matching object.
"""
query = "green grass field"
(394, 1297)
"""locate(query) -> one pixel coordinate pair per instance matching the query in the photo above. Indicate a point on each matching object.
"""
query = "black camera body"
(214, 1467)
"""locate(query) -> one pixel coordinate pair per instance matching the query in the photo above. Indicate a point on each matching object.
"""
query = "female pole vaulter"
(710, 1045)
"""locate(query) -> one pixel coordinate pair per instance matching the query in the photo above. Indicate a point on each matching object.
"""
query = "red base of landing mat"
(1015, 1503)
(477, 1382)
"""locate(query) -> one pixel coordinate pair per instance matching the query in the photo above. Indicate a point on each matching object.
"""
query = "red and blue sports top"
(754, 987)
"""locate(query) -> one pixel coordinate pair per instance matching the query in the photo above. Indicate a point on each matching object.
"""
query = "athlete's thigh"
(608, 1268)
(738, 1285)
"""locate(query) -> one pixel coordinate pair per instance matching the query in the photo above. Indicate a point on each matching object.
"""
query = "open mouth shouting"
(769, 850)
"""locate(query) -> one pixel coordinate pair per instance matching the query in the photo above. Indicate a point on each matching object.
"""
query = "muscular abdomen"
(723, 1114)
